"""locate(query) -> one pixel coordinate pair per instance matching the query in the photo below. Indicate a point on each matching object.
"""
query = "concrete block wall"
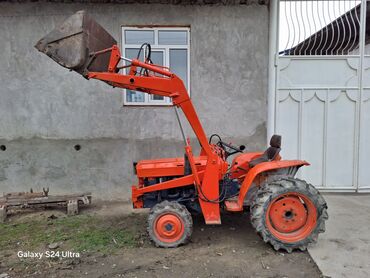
(46, 111)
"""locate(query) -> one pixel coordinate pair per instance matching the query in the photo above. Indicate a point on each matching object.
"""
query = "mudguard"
(252, 175)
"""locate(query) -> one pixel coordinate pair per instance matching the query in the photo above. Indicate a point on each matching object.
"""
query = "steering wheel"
(236, 149)
(226, 146)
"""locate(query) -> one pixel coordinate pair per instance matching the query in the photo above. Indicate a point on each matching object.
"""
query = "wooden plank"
(24, 195)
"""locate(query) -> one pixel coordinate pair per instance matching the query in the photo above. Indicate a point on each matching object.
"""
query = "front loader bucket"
(73, 43)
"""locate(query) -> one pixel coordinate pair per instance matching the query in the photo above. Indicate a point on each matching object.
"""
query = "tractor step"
(233, 205)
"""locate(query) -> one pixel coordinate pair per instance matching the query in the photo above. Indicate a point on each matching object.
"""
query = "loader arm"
(166, 85)
(160, 81)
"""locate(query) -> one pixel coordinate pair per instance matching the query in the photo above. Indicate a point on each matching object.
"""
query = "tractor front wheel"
(169, 224)
(288, 213)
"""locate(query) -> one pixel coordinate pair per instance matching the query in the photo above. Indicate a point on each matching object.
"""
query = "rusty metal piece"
(30, 199)
(72, 43)
(72, 207)
(3, 213)
(25, 195)
(19, 199)
(86, 200)
(46, 191)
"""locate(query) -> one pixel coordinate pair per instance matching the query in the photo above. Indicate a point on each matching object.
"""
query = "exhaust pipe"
(73, 44)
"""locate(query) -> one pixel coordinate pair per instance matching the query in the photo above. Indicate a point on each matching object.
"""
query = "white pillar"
(273, 49)
(362, 42)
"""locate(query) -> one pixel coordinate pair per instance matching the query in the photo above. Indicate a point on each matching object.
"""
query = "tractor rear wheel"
(288, 213)
(169, 224)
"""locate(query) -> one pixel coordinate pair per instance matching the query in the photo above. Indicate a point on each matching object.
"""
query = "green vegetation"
(81, 233)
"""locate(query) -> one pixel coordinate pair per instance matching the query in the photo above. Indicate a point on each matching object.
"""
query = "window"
(170, 48)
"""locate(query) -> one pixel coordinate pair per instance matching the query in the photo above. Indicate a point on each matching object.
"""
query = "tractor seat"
(270, 153)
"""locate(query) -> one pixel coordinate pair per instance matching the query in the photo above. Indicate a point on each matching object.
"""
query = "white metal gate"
(321, 93)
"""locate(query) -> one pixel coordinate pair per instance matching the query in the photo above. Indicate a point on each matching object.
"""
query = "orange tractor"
(287, 212)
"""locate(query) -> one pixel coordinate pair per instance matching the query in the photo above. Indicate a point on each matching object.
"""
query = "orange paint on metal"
(263, 167)
(291, 217)
(169, 227)
(115, 57)
(179, 182)
(209, 191)
(287, 214)
(169, 85)
(189, 154)
(240, 164)
(167, 167)
(151, 67)
(253, 173)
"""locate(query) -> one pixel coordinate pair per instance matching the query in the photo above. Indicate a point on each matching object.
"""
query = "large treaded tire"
(271, 191)
(178, 210)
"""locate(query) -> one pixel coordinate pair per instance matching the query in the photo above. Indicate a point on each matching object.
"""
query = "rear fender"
(240, 164)
(288, 167)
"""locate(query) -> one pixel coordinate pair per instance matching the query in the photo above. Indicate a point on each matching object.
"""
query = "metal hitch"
(74, 43)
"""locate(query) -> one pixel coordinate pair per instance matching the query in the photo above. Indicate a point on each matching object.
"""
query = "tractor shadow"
(235, 230)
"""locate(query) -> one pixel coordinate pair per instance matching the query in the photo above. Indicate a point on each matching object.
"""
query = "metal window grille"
(315, 27)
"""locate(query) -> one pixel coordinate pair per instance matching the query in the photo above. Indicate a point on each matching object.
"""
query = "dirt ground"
(232, 249)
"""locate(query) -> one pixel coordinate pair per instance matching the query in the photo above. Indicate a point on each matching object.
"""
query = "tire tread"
(269, 191)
